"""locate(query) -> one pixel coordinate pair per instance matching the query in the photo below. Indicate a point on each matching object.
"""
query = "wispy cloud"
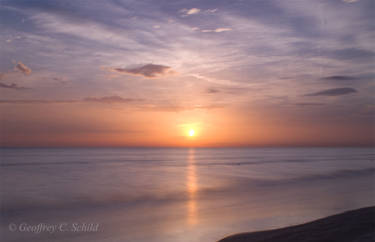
(190, 11)
(148, 71)
(352, 54)
(99, 32)
(339, 78)
(35, 101)
(193, 11)
(217, 30)
(334, 92)
(350, 1)
(12, 86)
(212, 90)
(303, 104)
(186, 12)
(214, 80)
(22, 68)
(140, 104)
(104, 99)
(214, 10)
(179, 108)
(110, 99)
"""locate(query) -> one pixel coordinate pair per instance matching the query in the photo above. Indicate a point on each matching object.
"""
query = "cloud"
(179, 108)
(353, 54)
(110, 99)
(211, 10)
(62, 80)
(100, 32)
(309, 104)
(218, 30)
(191, 11)
(214, 80)
(12, 86)
(187, 12)
(105, 99)
(212, 90)
(350, 1)
(22, 68)
(237, 90)
(35, 101)
(334, 92)
(339, 78)
(141, 104)
(148, 71)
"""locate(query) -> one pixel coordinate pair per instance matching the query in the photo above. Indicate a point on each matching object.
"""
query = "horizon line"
(185, 147)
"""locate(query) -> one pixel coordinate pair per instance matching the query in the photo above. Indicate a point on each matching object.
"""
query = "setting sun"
(191, 132)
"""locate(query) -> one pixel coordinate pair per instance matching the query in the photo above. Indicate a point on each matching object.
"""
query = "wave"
(183, 163)
(235, 187)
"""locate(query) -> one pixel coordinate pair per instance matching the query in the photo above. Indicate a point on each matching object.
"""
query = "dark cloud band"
(12, 86)
(334, 92)
(148, 70)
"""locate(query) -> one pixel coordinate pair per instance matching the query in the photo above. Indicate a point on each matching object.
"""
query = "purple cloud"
(110, 99)
(12, 86)
(334, 92)
(148, 71)
(22, 68)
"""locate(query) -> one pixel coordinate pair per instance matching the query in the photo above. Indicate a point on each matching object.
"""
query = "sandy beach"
(356, 225)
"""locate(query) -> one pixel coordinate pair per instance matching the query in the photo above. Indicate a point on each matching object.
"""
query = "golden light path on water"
(192, 187)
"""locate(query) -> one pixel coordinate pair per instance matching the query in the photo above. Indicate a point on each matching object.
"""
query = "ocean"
(175, 194)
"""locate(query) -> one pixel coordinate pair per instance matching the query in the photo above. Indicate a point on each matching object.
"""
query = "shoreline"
(351, 226)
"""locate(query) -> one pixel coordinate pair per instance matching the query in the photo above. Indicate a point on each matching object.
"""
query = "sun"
(191, 132)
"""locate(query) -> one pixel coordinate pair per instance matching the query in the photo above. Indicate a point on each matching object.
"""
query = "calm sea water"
(173, 195)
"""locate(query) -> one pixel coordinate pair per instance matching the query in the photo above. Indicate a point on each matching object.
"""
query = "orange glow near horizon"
(101, 125)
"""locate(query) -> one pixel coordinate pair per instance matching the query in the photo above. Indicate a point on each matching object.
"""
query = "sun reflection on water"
(192, 187)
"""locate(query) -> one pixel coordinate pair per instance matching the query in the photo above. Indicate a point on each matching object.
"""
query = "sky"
(145, 73)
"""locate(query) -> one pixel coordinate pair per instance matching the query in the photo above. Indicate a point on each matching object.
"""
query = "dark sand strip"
(353, 226)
